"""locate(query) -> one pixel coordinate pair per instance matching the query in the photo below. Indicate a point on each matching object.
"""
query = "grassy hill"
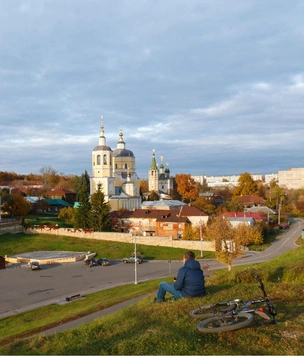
(166, 328)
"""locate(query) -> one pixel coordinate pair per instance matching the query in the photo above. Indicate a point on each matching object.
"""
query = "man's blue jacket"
(190, 279)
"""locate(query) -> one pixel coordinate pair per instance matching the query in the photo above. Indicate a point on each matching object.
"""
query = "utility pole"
(135, 263)
(201, 238)
(279, 214)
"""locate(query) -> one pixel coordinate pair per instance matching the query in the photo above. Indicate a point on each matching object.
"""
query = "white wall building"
(291, 179)
(159, 178)
(224, 181)
(116, 172)
(270, 177)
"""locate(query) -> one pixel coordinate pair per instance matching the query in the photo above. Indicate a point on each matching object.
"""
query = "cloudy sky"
(214, 86)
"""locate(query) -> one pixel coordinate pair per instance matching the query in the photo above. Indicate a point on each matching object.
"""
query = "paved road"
(282, 244)
(23, 289)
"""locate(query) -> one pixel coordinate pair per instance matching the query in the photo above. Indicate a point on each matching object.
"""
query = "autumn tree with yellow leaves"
(231, 242)
(187, 187)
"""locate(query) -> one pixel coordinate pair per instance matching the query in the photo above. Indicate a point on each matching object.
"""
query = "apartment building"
(293, 178)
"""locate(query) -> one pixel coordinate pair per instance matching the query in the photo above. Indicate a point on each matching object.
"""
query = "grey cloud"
(213, 86)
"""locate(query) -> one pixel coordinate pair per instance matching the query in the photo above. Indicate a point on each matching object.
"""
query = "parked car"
(91, 262)
(103, 262)
(35, 265)
(132, 259)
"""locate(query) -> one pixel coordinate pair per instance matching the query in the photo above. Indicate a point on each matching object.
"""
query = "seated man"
(190, 281)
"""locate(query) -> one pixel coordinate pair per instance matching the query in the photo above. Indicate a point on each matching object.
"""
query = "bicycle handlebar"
(270, 306)
(261, 285)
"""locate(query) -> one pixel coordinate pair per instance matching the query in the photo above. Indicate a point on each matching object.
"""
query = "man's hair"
(189, 254)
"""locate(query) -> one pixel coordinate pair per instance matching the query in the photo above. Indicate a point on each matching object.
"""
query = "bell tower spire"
(153, 174)
(102, 139)
(120, 143)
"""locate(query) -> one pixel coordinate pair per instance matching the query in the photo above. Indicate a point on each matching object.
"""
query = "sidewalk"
(91, 317)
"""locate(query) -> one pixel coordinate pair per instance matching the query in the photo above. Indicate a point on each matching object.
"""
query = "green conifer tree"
(83, 212)
(100, 217)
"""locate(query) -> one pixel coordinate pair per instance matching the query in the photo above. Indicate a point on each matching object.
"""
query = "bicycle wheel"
(206, 311)
(221, 324)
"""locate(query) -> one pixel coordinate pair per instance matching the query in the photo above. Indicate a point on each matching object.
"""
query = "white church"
(159, 178)
(115, 170)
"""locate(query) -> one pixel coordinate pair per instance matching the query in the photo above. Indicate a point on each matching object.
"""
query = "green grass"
(145, 328)
(34, 321)
(11, 244)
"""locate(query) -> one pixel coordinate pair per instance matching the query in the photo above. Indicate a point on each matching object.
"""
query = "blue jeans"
(165, 287)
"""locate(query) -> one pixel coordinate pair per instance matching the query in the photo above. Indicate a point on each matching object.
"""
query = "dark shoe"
(158, 301)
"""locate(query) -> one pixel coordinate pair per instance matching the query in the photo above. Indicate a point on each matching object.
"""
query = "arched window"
(98, 159)
(104, 159)
(126, 165)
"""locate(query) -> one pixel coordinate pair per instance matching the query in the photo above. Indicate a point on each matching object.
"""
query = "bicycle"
(237, 315)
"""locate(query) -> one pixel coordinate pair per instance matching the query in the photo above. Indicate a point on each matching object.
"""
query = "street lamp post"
(135, 261)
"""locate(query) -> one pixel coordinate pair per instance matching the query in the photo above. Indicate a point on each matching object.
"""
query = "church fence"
(128, 238)
(12, 228)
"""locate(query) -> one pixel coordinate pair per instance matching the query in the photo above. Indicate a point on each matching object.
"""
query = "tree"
(15, 205)
(246, 186)
(153, 196)
(186, 187)
(246, 235)
(230, 241)
(100, 218)
(83, 212)
(143, 186)
(205, 205)
(84, 182)
(49, 177)
(67, 214)
(190, 233)
(225, 192)
(229, 206)
(74, 182)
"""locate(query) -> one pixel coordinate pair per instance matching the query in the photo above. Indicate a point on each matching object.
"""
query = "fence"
(127, 237)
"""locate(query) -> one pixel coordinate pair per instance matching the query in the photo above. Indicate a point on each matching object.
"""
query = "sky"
(216, 87)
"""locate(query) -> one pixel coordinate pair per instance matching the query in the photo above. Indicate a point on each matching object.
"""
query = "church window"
(98, 159)
(126, 165)
(104, 159)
